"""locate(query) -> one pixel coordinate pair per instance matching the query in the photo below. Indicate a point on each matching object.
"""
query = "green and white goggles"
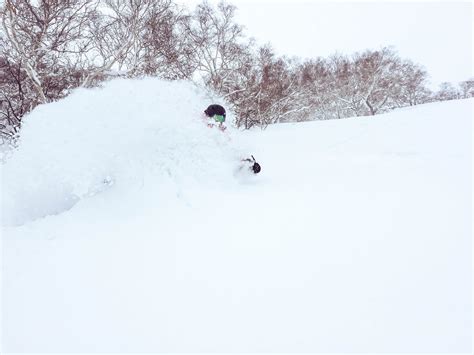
(219, 118)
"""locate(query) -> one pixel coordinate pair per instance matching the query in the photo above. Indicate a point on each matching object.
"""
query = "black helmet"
(215, 110)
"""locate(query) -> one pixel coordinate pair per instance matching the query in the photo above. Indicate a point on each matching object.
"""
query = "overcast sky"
(437, 35)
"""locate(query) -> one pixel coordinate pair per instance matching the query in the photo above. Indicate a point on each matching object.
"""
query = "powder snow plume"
(119, 136)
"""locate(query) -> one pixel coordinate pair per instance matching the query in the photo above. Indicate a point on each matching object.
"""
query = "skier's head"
(217, 112)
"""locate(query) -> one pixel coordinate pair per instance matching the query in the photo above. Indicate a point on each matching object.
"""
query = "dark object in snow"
(216, 110)
(254, 166)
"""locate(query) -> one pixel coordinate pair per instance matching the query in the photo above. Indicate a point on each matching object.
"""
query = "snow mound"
(145, 134)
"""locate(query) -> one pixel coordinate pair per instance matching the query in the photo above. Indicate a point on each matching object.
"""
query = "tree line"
(50, 47)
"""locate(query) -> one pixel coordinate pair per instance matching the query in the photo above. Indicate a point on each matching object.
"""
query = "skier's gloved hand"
(256, 168)
(252, 164)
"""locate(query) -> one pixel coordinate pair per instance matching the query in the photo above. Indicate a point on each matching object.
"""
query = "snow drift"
(356, 236)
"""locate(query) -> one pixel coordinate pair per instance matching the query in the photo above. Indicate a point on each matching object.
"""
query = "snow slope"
(127, 228)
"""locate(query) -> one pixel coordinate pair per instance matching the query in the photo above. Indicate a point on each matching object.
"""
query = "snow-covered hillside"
(127, 227)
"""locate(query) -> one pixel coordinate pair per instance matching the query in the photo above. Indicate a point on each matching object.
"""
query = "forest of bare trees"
(50, 47)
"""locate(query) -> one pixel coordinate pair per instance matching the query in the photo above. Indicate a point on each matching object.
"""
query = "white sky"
(437, 35)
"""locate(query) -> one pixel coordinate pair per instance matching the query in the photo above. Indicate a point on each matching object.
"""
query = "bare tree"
(467, 88)
(14, 99)
(116, 37)
(343, 87)
(265, 89)
(215, 40)
(447, 91)
(411, 86)
(47, 38)
(375, 76)
(315, 81)
(166, 49)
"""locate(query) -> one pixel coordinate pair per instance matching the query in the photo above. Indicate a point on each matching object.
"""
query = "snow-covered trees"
(134, 38)
(49, 47)
(375, 77)
(264, 90)
(47, 39)
(366, 83)
(215, 40)
(14, 99)
(166, 49)
(42, 44)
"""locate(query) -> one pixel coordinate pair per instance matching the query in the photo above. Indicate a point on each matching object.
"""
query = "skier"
(216, 117)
